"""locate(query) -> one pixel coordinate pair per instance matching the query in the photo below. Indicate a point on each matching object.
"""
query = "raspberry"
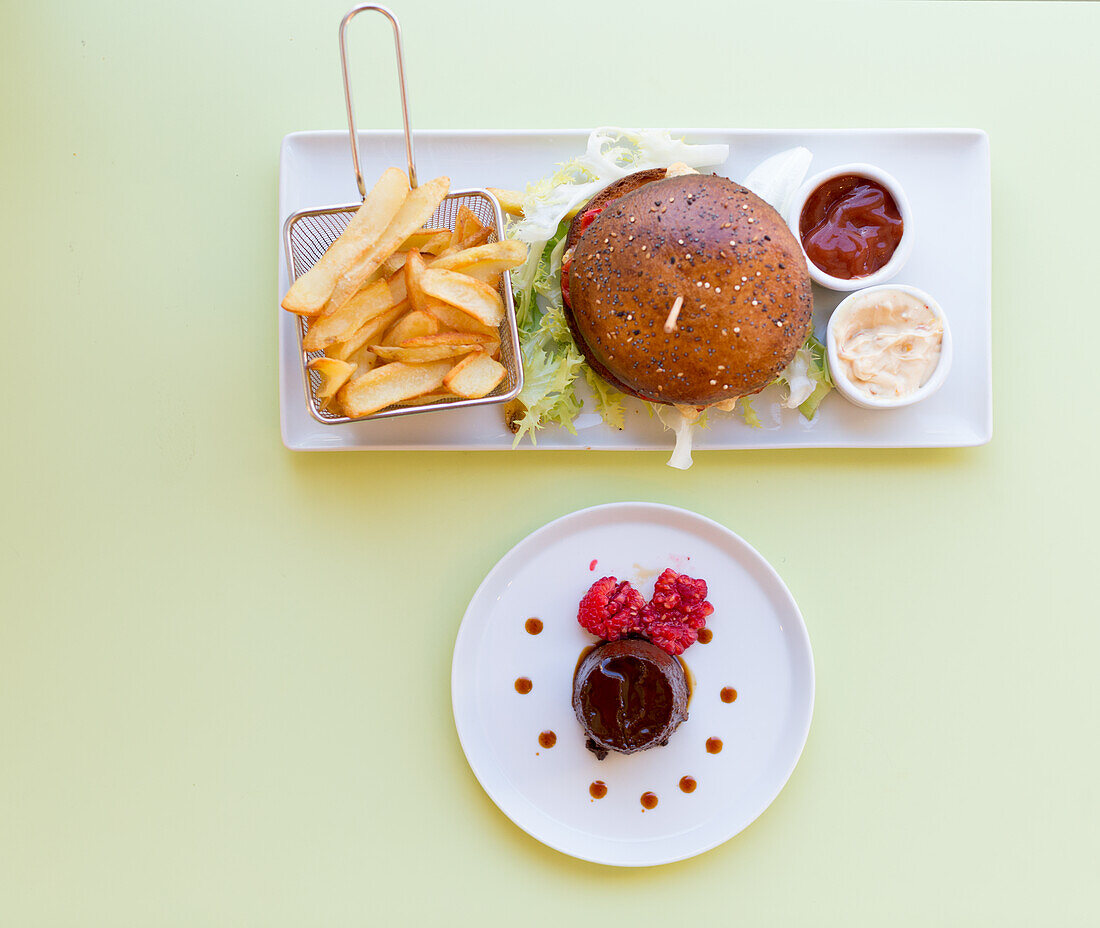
(678, 609)
(672, 637)
(610, 609)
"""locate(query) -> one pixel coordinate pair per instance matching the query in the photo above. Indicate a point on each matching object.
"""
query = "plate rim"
(801, 634)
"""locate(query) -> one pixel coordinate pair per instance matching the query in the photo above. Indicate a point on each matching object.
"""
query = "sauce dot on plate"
(714, 745)
(729, 694)
(533, 626)
(523, 686)
(598, 789)
(705, 636)
(548, 739)
(688, 784)
(649, 800)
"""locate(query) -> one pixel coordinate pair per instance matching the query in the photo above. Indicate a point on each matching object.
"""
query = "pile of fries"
(405, 314)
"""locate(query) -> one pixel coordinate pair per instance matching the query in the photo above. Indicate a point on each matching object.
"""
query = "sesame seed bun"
(609, 194)
(745, 297)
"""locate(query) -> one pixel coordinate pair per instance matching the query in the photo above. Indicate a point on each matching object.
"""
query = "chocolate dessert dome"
(629, 695)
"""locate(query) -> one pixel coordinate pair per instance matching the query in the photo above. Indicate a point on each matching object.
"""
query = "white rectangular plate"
(944, 172)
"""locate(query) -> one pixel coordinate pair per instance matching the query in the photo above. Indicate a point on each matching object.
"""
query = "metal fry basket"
(307, 234)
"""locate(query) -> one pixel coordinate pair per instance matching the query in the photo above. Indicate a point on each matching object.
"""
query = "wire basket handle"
(355, 156)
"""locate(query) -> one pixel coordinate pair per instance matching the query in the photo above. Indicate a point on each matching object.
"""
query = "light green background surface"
(225, 668)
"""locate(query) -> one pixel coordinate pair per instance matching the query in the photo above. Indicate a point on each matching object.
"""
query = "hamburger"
(684, 288)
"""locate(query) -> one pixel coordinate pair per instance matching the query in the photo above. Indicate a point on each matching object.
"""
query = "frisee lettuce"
(748, 413)
(608, 400)
(551, 361)
(548, 396)
(806, 378)
(776, 179)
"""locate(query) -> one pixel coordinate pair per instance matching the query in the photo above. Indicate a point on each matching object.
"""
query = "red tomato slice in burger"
(589, 217)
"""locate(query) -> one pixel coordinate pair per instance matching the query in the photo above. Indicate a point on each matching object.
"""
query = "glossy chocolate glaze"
(629, 695)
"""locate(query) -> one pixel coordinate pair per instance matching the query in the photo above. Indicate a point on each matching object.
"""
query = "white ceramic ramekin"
(901, 253)
(851, 392)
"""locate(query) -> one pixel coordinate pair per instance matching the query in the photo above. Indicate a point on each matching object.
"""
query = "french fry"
(414, 268)
(367, 333)
(411, 325)
(437, 243)
(473, 225)
(310, 292)
(511, 201)
(414, 212)
(456, 319)
(465, 224)
(514, 411)
(419, 240)
(389, 384)
(488, 272)
(393, 263)
(364, 360)
(478, 238)
(507, 253)
(366, 305)
(426, 399)
(334, 374)
(471, 296)
(450, 338)
(420, 355)
(468, 231)
(476, 375)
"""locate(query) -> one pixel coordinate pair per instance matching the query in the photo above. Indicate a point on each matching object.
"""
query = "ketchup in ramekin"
(850, 226)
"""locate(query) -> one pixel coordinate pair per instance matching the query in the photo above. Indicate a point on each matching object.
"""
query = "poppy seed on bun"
(688, 290)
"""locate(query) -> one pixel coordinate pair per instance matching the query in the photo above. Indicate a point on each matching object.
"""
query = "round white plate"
(760, 647)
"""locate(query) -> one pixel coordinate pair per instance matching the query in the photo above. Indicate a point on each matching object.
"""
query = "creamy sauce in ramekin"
(888, 343)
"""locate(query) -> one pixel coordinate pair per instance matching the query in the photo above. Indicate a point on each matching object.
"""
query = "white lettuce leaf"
(611, 153)
(797, 376)
(777, 179)
(682, 421)
(806, 378)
